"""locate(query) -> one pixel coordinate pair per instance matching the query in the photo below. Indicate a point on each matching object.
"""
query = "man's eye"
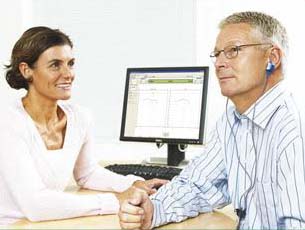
(216, 53)
(233, 49)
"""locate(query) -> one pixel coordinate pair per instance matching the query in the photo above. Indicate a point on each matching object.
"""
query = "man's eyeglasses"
(232, 51)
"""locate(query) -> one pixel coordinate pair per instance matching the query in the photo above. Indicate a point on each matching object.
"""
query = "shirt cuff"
(159, 216)
(108, 203)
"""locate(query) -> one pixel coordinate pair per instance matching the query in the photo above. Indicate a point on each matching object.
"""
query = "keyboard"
(145, 171)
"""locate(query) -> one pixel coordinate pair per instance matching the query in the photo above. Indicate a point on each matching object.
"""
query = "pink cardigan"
(33, 179)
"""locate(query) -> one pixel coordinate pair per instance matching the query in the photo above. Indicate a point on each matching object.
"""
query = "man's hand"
(127, 194)
(136, 208)
(136, 212)
(150, 186)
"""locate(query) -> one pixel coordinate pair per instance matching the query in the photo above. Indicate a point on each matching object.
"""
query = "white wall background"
(290, 13)
(111, 35)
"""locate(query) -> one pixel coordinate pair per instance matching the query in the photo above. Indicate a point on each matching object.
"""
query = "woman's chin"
(65, 97)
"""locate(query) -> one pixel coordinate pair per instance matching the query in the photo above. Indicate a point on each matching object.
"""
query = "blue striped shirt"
(253, 160)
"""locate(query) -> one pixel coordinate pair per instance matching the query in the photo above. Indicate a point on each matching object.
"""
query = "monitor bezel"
(167, 140)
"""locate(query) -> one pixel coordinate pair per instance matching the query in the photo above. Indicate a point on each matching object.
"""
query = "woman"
(43, 141)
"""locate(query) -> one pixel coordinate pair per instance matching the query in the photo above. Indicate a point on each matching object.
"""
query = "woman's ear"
(26, 71)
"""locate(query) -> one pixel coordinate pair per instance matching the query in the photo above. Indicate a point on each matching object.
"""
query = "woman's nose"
(68, 72)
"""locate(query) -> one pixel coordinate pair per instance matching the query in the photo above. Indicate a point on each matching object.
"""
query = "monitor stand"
(175, 157)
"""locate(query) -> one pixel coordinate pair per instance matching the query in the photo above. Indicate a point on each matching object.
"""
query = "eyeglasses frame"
(215, 54)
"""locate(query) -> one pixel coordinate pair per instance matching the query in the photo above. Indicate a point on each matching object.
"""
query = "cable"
(235, 142)
(237, 154)
(159, 144)
(253, 185)
(182, 149)
(240, 212)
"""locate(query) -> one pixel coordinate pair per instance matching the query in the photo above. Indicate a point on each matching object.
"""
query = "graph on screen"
(164, 104)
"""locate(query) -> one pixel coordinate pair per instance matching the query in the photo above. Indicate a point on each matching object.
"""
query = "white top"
(33, 178)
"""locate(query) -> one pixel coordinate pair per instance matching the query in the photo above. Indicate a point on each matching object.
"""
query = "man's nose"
(220, 60)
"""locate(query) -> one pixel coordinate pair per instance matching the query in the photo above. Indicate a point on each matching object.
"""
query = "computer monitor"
(165, 105)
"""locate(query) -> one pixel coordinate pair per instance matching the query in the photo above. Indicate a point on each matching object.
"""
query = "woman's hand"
(150, 186)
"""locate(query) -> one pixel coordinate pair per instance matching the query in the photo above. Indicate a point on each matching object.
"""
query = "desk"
(220, 219)
(215, 220)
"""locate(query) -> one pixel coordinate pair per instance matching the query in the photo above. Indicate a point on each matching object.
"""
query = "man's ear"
(26, 71)
(275, 56)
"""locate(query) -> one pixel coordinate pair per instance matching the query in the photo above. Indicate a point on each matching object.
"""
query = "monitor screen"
(166, 105)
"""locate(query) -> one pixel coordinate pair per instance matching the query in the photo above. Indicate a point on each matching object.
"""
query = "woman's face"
(53, 74)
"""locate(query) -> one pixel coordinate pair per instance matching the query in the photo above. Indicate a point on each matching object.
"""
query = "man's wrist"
(158, 217)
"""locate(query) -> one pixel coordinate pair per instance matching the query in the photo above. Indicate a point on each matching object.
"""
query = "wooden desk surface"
(220, 219)
(215, 220)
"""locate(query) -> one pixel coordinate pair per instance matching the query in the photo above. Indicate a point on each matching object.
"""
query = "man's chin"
(227, 92)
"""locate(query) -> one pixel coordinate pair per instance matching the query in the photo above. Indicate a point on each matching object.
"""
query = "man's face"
(244, 75)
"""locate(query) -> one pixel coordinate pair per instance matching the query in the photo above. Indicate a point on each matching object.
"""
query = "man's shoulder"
(291, 119)
(293, 109)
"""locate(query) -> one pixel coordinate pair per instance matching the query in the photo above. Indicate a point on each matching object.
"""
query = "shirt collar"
(265, 107)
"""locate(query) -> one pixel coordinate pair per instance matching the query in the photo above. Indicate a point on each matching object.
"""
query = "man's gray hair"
(270, 28)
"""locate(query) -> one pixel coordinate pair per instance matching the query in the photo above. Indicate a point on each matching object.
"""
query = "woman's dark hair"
(28, 48)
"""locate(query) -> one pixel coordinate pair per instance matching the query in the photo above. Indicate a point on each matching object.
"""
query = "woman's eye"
(55, 65)
(71, 63)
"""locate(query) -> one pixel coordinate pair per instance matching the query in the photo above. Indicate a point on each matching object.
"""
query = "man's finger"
(130, 218)
(138, 198)
(152, 191)
(126, 207)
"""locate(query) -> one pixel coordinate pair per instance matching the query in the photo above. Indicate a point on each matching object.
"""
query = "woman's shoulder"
(12, 116)
(13, 109)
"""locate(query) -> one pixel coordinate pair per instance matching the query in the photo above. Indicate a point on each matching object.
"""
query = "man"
(254, 158)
